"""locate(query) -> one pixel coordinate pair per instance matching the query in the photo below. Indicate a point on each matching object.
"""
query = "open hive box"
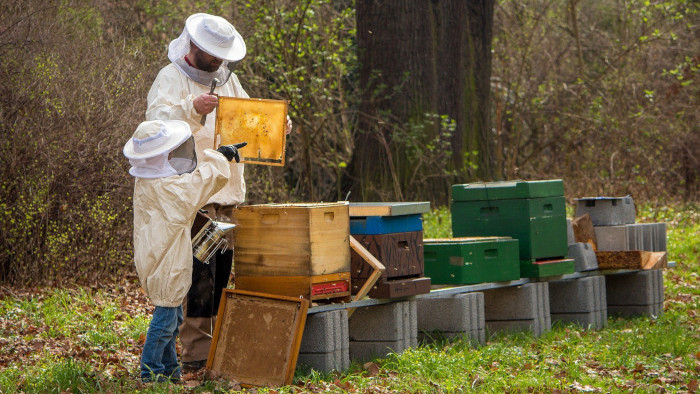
(297, 250)
(260, 123)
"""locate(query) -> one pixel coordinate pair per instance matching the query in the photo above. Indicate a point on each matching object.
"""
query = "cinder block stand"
(325, 346)
(458, 316)
(580, 301)
(518, 308)
(376, 331)
(638, 293)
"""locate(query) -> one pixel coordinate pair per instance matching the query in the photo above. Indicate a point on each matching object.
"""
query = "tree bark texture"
(420, 57)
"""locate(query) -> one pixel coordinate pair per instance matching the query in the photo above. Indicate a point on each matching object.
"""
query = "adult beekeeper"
(170, 187)
(204, 51)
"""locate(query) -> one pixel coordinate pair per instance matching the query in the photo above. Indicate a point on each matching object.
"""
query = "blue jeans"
(159, 357)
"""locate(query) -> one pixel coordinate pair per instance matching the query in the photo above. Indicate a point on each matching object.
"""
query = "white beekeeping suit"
(179, 83)
(170, 187)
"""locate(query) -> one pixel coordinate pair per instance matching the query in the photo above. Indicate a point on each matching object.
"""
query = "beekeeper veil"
(161, 148)
(215, 36)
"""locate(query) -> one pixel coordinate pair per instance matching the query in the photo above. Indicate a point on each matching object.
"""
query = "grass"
(88, 340)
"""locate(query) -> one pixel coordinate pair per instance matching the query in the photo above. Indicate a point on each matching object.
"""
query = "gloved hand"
(231, 151)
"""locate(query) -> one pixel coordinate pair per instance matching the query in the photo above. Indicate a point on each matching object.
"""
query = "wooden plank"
(631, 259)
(388, 208)
(371, 260)
(257, 337)
(656, 260)
(583, 230)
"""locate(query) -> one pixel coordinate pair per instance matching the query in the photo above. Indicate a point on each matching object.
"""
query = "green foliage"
(619, 119)
(438, 223)
(601, 95)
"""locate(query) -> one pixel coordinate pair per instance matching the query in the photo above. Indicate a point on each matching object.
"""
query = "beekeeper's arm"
(210, 176)
(170, 99)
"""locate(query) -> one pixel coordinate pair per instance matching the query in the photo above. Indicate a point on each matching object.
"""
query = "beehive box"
(532, 212)
(471, 260)
(293, 249)
(393, 233)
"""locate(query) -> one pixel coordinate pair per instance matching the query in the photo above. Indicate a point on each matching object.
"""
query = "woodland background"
(603, 94)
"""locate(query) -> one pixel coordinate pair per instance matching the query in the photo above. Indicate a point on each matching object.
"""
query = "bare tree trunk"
(419, 57)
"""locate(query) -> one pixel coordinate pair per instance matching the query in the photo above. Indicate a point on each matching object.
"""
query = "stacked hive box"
(298, 250)
(393, 233)
(532, 212)
(471, 260)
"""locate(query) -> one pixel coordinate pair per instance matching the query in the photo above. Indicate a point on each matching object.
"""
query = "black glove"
(231, 151)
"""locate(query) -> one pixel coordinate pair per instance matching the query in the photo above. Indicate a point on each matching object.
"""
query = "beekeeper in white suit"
(170, 187)
(181, 91)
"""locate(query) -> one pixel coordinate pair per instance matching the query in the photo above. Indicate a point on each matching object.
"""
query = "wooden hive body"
(292, 249)
(392, 233)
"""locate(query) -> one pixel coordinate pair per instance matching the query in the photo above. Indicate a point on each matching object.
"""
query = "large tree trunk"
(419, 57)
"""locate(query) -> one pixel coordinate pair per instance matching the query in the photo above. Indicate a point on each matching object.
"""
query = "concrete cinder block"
(450, 314)
(613, 237)
(388, 322)
(636, 288)
(325, 332)
(361, 350)
(607, 211)
(584, 256)
(653, 310)
(644, 236)
(570, 238)
(660, 237)
(577, 295)
(511, 303)
(378, 330)
(594, 319)
(459, 316)
(520, 308)
(338, 360)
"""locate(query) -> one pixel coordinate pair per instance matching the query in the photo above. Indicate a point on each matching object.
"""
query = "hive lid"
(257, 337)
(261, 123)
(507, 190)
(388, 208)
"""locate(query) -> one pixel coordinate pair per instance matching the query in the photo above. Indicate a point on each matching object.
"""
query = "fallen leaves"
(372, 368)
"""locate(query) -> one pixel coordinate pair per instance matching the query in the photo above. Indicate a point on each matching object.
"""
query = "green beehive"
(463, 261)
(531, 211)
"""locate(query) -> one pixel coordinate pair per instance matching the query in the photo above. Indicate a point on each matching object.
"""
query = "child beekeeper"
(170, 187)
